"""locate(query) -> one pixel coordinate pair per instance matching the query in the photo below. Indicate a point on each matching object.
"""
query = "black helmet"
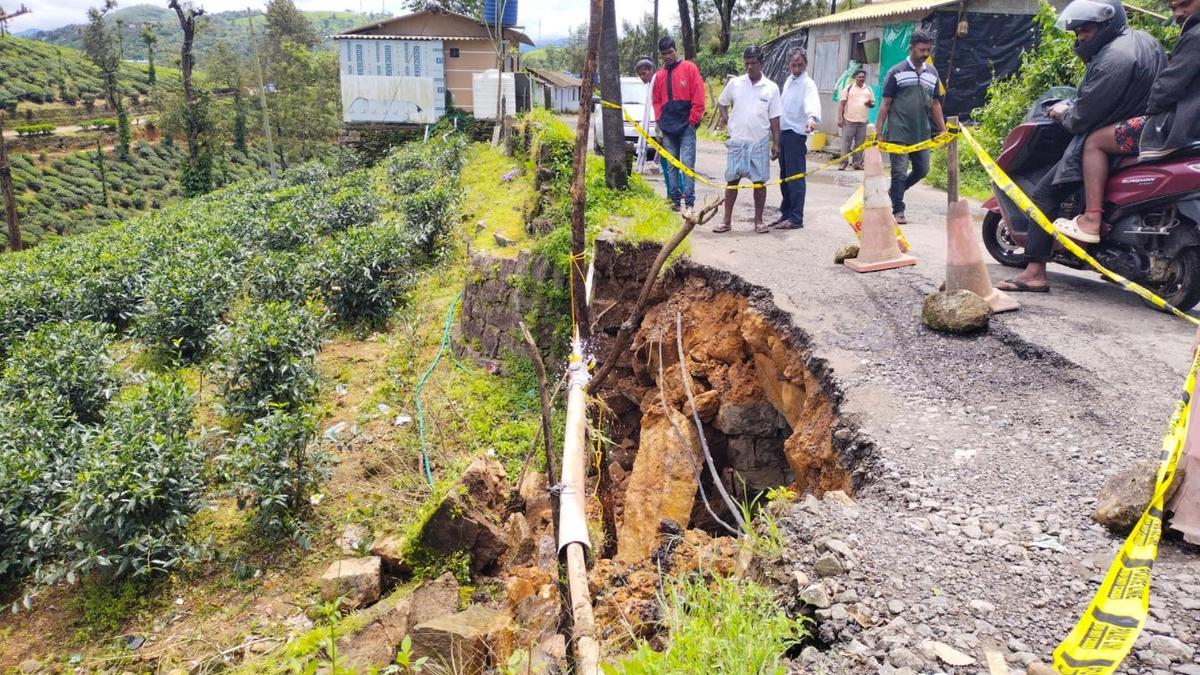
(1080, 12)
(1109, 15)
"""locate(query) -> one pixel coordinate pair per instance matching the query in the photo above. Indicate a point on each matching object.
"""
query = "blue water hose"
(421, 385)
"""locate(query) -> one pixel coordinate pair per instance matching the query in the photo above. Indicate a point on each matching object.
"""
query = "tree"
(197, 174)
(150, 39)
(471, 8)
(636, 42)
(286, 23)
(725, 27)
(785, 13)
(687, 34)
(100, 45)
(568, 57)
(225, 69)
(306, 106)
(616, 174)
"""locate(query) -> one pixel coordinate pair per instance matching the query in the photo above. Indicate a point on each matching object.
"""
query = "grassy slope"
(257, 592)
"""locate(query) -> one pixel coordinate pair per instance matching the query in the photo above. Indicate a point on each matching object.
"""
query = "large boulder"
(469, 641)
(663, 482)
(434, 598)
(956, 312)
(356, 581)
(467, 520)
(374, 646)
(1124, 497)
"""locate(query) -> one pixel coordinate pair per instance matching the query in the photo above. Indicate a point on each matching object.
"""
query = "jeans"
(792, 156)
(853, 135)
(683, 147)
(903, 179)
(1048, 197)
(666, 173)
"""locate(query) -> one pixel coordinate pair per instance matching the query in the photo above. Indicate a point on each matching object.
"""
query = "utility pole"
(616, 171)
(6, 185)
(262, 93)
(654, 36)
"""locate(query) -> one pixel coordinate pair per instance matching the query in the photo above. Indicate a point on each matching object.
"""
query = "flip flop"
(1018, 286)
(720, 228)
(900, 219)
(1070, 227)
(762, 228)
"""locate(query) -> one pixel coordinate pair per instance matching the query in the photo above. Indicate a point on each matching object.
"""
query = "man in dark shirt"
(912, 96)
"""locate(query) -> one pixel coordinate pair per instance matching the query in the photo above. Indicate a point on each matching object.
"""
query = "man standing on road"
(912, 94)
(678, 95)
(645, 72)
(801, 115)
(853, 113)
(753, 125)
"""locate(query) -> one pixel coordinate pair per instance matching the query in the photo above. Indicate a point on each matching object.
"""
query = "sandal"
(900, 219)
(1070, 228)
(762, 228)
(789, 225)
(1018, 286)
(718, 229)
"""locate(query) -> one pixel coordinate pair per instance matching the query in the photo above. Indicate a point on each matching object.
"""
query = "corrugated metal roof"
(880, 10)
(558, 79)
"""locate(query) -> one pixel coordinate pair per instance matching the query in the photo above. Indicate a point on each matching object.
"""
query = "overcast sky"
(551, 18)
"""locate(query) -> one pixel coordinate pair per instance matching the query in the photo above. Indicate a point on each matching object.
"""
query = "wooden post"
(583, 324)
(10, 203)
(952, 164)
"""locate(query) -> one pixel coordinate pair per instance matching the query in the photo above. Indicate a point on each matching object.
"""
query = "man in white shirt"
(801, 115)
(753, 125)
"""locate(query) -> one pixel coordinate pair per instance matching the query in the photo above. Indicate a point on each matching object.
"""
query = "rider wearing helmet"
(1121, 64)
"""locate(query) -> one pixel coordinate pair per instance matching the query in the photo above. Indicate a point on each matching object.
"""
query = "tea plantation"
(72, 195)
(107, 340)
(36, 72)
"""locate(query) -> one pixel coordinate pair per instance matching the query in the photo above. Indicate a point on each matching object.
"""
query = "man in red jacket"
(678, 99)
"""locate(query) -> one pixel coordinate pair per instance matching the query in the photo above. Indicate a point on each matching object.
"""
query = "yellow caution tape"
(891, 148)
(1105, 633)
(1023, 202)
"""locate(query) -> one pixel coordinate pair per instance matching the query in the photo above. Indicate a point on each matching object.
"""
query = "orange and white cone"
(964, 260)
(879, 249)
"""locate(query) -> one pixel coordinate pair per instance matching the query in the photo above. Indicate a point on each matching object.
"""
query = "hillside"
(231, 27)
(36, 72)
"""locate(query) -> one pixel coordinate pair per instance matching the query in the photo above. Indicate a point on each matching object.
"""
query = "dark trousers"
(792, 160)
(903, 179)
(1048, 197)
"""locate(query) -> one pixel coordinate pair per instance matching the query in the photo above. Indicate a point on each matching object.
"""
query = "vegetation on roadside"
(729, 625)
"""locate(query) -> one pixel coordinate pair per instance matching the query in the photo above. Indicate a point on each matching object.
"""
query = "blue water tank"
(491, 8)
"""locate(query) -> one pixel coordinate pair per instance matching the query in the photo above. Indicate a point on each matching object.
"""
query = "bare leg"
(1034, 275)
(760, 200)
(730, 198)
(1096, 150)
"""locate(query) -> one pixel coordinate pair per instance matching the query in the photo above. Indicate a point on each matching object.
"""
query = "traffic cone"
(879, 249)
(964, 260)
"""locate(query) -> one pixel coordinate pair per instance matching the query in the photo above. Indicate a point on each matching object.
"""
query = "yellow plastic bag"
(852, 211)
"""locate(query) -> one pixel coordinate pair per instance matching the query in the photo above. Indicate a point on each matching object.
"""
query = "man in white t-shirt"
(753, 134)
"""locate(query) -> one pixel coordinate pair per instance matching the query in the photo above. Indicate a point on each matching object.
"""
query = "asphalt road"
(1014, 430)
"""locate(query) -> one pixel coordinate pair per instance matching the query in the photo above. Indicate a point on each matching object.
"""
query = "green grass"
(499, 204)
(729, 625)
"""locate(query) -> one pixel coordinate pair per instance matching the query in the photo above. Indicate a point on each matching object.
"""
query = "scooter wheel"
(999, 244)
(1182, 288)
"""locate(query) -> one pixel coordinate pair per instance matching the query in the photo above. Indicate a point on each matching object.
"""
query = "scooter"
(1151, 219)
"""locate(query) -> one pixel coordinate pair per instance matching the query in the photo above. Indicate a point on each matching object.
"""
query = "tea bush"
(63, 367)
(363, 272)
(139, 481)
(266, 359)
(276, 466)
(280, 275)
(183, 305)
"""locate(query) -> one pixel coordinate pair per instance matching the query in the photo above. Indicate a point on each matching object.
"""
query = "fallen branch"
(687, 388)
(631, 323)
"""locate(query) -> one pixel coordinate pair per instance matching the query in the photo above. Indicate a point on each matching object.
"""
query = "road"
(1013, 431)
